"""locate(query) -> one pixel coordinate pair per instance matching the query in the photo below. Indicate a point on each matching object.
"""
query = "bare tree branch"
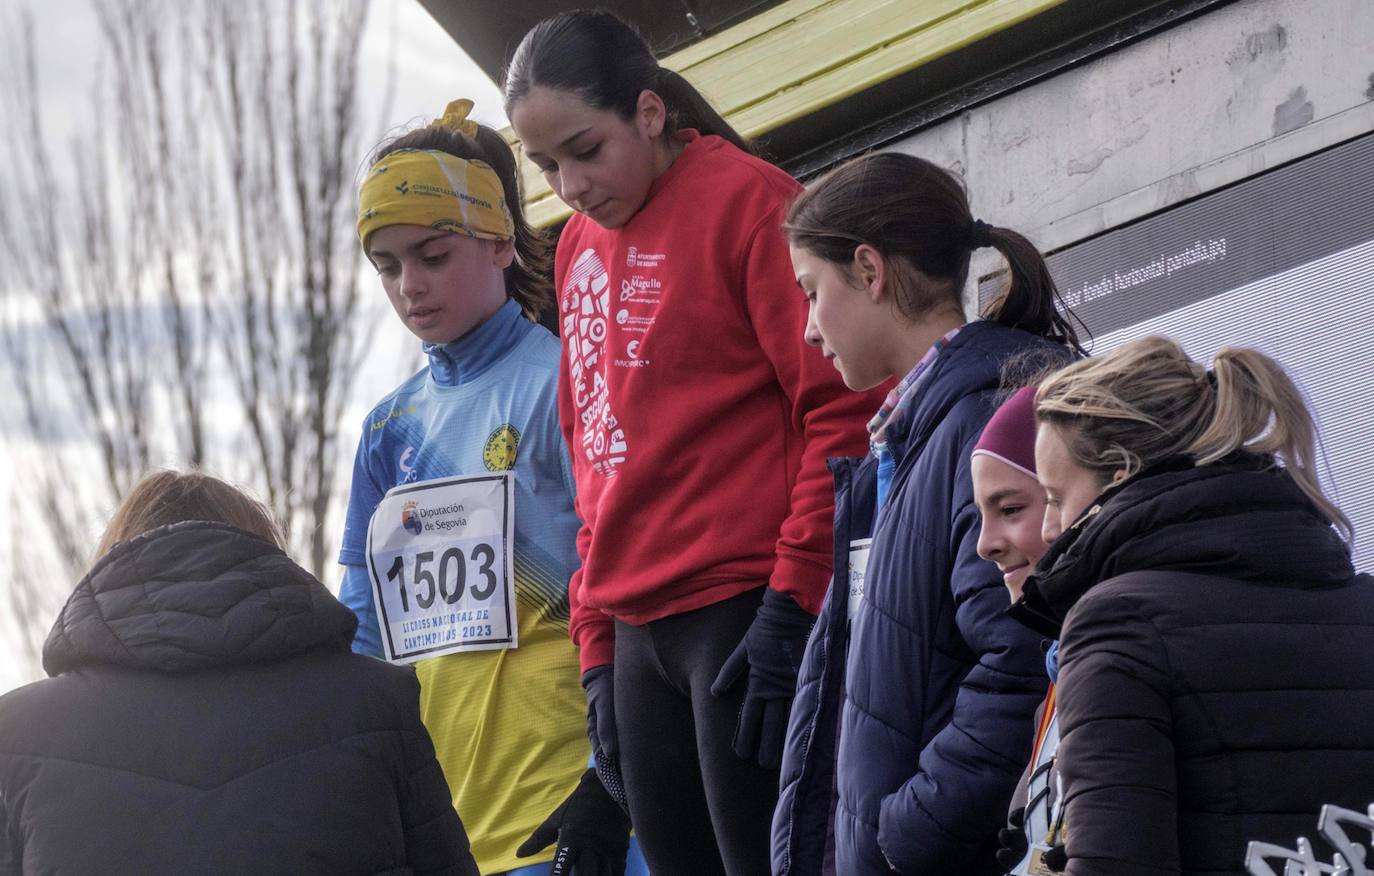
(192, 262)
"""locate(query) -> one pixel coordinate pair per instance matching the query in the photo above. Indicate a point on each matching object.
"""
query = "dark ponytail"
(529, 277)
(1031, 301)
(688, 109)
(917, 215)
(605, 62)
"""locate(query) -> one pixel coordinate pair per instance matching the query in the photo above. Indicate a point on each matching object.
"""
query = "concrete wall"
(1204, 104)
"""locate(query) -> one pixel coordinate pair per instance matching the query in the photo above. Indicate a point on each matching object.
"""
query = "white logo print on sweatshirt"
(586, 305)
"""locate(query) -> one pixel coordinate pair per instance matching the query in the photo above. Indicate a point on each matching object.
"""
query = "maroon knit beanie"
(1010, 434)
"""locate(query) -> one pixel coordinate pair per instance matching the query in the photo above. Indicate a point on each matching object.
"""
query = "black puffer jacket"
(205, 715)
(1216, 676)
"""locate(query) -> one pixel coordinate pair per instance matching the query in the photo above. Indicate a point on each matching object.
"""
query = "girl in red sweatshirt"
(699, 424)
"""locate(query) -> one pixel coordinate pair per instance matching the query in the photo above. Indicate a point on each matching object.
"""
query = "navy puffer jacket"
(935, 700)
(205, 715)
(1216, 670)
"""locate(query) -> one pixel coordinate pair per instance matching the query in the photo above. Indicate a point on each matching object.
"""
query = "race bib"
(858, 564)
(440, 558)
(1044, 825)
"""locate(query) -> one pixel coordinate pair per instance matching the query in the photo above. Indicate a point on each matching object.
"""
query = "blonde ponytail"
(1147, 401)
(1260, 409)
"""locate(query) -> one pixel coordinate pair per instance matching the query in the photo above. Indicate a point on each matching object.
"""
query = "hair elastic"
(979, 234)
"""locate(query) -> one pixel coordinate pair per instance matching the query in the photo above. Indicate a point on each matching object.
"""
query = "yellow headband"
(436, 189)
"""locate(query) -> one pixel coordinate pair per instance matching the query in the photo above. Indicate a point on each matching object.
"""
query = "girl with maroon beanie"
(1011, 502)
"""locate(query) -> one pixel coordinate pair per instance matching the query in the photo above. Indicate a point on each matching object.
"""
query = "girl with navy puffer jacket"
(915, 700)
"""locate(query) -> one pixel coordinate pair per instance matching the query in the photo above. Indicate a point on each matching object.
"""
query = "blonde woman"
(1215, 681)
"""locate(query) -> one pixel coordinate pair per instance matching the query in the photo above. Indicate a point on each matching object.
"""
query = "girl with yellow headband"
(461, 525)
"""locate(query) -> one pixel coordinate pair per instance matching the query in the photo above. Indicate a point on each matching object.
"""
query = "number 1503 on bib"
(439, 554)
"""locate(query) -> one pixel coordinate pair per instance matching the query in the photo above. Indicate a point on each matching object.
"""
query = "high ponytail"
(916, 214)
(1031, 300)
(604, 61)
(529, 278)
(1147, 402)
(1261, 410)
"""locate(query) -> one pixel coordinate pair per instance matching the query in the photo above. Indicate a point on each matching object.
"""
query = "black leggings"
(697, 808)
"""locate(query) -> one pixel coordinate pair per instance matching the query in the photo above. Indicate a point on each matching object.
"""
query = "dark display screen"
(1283, 262)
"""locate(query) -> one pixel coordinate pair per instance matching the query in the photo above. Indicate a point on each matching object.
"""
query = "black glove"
(1057, 858)
(593, 833)
(1013, 840)
(599, 683)
(1015, 845)
(772, 652)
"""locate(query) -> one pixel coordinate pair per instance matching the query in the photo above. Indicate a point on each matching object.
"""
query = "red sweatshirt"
(698, 419)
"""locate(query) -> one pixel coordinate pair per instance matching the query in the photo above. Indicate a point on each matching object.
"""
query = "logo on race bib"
(499, 454)
(410, 520)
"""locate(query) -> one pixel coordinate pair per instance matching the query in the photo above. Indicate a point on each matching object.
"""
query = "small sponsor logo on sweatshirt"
(642, 289)
(632, 323)
(636, 259)
(632, 353)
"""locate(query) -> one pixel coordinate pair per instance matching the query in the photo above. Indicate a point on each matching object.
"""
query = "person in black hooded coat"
(205, 715)
(1216, 684)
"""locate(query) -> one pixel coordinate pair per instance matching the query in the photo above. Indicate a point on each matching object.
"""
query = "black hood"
(1243, 519)
(191, 596)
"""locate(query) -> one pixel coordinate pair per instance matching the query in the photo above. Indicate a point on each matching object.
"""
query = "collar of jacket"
(1242, 518)
(191, 596)
(472, 355)
(973, 361)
